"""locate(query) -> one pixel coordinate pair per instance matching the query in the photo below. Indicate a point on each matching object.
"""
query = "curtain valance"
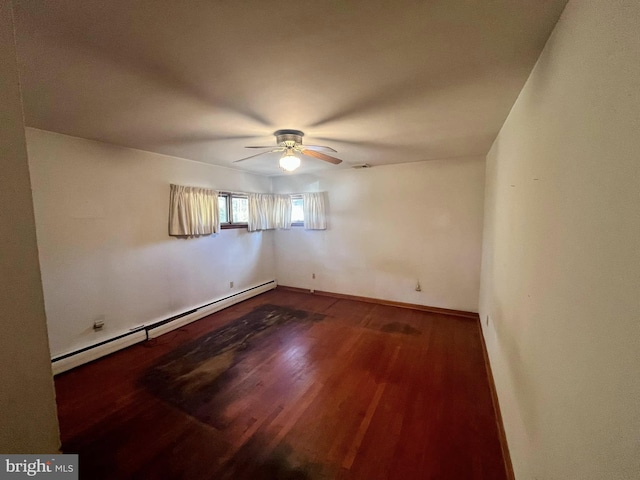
(268, 211)
(314, 208)
(193, 211)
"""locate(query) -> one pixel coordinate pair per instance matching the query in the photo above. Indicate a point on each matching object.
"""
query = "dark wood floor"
(369, 392)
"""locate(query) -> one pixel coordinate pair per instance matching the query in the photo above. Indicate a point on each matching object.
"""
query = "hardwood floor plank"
(364, 426)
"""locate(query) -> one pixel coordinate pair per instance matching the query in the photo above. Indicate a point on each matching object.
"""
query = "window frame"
(229, 199)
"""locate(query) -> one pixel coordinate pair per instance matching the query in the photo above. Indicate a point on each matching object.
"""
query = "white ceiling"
(381, 82)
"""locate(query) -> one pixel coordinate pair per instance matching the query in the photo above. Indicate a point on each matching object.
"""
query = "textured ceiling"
(381, 82)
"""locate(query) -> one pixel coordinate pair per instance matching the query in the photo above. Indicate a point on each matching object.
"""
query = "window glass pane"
(240, 209)
(222, 208)
(297, 212)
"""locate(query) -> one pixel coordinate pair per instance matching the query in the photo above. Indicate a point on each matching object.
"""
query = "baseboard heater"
(70, 360)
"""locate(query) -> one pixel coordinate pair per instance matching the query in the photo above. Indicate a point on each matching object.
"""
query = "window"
(239, 209)
(297, 211)
(233, 210)
(272, 210)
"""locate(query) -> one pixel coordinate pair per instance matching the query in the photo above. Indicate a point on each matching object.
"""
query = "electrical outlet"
(313, 275)
(230, 284)
(98, 323)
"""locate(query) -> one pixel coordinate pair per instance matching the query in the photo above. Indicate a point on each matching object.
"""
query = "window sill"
(233, 225)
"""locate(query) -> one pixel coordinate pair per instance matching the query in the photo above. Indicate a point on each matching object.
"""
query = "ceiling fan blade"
(259, 146)
(318, 148)
(252, 156)
(321, 156)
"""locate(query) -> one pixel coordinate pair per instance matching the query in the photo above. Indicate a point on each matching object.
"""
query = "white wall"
(390, 226)
(560, 275)
(28, 422)
(102, 215)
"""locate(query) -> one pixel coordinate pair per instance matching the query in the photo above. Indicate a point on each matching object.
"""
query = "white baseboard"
(88, 354)
(92, 353)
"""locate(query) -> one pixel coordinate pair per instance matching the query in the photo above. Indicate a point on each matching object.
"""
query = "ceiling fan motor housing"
(288, 138)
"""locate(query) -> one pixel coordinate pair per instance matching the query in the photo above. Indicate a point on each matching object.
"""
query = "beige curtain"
(314, 207)
(267, 212)
(193, 211)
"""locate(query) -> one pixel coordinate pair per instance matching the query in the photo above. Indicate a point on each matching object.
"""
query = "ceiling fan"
(290, 142)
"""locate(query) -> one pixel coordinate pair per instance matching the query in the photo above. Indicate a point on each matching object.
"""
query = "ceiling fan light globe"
(289, 163)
